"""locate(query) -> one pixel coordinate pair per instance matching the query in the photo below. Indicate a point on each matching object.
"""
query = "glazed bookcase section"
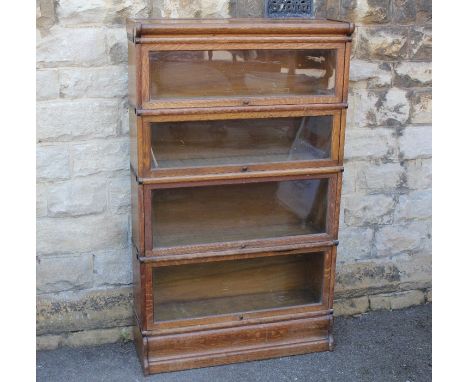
(234, 289)
(237, 286)
(179, 65)
(242, 142)
(244, 215)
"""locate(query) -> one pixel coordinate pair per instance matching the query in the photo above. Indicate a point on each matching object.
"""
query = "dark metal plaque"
(288, 8)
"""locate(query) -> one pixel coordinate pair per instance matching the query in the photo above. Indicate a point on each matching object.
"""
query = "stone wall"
(83, 181)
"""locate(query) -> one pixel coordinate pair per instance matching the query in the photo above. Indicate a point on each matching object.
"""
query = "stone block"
(382, 43)
(124, 122)
(365, 74)
(52, 162)
(332, 9)
(370, 276)
(379, 107)
(117, 46)
(214, 8)
(85, 338)
(192, 9)
(80, 196)
(411, 74)
(78, 12)
(416, 269)
(81, 234)
(414, 205)
(175, 9)
(406, 238)
(41, 200)
(416, 141)
(429, 295)
(113, 267)
(119, 194)
(45, 14)
(404, 11)
(361, 210)
(406, 299)
(355, 244)
(71, 47)
(423, 11)
(249, 8)
(371, 177)
(366, 11)
(399, 300)
(364, 143)
(380, 302)
(47, 85)
(86, 118)
(420, 43)
(84, 310)
(94, 157)
(421, 107)
(98, 337)
(105, 82)
(351, 306)
(64, 272)
(48, 342)
(349, 178)
(418, 174)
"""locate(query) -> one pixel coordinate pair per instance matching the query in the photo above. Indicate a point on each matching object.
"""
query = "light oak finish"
(237, 132)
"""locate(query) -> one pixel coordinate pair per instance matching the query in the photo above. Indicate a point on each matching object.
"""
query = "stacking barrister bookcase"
(237, 132)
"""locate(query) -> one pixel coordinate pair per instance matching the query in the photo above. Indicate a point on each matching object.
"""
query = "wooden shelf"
(235, 304)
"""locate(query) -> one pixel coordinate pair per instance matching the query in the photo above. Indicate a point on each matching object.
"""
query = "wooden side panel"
(214, 347)
(347, 59)
(141, 345)
(133, 74)
(332, 273)
(133, 133)
(137, 208)
(137, 295)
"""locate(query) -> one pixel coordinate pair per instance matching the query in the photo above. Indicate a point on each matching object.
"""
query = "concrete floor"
(379, 346)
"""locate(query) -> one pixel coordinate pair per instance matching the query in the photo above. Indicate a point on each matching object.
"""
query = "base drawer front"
(232, 340)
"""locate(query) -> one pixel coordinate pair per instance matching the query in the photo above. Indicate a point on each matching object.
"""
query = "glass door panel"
(235, 286)
(234, 212)
(202, 74)
(240, 141)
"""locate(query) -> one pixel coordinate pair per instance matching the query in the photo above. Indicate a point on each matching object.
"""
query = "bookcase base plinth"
(172, 352)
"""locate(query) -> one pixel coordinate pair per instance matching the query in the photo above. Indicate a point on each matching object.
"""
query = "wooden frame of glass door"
(143, 268)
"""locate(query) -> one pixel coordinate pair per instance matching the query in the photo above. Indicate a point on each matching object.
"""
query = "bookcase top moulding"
(140, 28)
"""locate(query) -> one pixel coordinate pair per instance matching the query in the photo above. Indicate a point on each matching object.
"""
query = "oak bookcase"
(237, 133)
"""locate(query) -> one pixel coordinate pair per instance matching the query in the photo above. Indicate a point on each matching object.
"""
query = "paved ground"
(380, 346)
